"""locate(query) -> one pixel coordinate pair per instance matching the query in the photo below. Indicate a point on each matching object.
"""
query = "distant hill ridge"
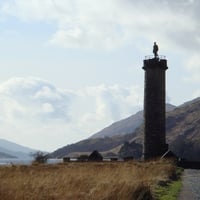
(109, 139)
(5, 155)
(182, 128)
(125, 126)
(12, 150)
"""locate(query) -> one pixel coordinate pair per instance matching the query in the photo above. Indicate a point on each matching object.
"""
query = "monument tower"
(154, 105)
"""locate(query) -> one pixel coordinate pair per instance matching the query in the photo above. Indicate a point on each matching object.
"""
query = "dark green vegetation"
(170, 190)
(183, 135)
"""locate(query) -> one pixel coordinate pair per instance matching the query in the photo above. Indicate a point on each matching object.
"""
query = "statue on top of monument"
(155, 50)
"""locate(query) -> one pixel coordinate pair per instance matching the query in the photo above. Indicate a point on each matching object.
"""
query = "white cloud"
(192, 65)
(29, 98)
(196, 94)
(110, 24)
(36, 113)
(110, 103)
(47, 107)
(33, 107)
(113, 23)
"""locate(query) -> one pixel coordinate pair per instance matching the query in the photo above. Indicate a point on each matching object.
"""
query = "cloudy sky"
(68, 68)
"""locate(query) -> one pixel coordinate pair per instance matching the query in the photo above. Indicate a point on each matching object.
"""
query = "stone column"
(154, 108)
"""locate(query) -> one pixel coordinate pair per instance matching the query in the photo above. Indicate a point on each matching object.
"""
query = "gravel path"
(191, 185)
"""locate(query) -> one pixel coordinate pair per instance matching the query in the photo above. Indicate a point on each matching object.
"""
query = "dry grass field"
(83, 180)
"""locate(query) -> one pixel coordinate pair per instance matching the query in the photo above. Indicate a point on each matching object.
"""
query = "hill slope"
(121, 127)
(125, 126)
(109, 138)
(182, 128)
(88, 145)
(5, 155)
(14, 150)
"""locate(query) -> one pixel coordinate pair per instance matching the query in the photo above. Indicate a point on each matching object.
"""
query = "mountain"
(5, 155)
(121, 127)
(14, 150)
(87, 146)
(108, 140)
(182, 130)
(128, 125)
(182, 133)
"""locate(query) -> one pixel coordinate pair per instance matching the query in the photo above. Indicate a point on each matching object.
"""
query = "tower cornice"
(155, 63)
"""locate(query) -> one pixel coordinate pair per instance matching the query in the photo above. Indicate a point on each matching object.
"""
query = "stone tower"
(154, 107)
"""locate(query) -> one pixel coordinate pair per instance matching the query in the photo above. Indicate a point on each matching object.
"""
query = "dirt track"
(191, 185)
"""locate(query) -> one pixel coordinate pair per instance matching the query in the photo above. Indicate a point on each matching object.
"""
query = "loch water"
(15, 161)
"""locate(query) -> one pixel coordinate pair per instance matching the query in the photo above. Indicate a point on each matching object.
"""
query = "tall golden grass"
(83, 180)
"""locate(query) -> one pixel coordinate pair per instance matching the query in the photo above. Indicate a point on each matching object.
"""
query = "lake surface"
(14, 161)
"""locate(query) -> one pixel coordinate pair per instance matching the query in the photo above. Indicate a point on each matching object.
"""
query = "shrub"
(40, 157)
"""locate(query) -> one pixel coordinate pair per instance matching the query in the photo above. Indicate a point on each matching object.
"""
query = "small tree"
(40, 157)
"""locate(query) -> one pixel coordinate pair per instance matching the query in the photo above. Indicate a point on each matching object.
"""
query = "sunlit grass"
(83, 180)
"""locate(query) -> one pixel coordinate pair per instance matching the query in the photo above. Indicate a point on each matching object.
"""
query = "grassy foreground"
(170, 190)
(86, 180)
